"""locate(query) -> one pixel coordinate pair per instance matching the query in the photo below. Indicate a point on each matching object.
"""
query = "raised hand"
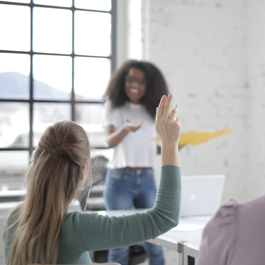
(132, 127)
(168, 127)
(167, 124)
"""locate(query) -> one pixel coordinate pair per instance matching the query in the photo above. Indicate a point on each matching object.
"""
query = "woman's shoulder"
(14, 215)
(226, 213)
(219, 235)
(232, 208)
(108, 105)
(223, 223)
(225, 216)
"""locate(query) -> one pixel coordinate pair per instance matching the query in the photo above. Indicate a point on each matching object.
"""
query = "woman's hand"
(168, 127)
(114, 137)
(167, 124)
(132, 127)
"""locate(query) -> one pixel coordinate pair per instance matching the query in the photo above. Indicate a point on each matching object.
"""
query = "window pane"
(14, 76)
(52, 31)
(52, 77)
(13, 166)
(91, 78)
(45, 114)
(104, 5)
(66, 3)
(15, 27)
(88, 116)
(14, 125)
(92, 33)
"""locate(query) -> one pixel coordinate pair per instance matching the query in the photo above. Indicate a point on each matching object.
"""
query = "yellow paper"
(197, 137)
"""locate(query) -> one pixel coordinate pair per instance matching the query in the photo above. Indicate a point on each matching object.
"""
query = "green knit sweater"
(83, 232)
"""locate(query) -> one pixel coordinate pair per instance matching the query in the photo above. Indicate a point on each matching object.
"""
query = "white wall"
(200, 46)
(211, 54)
(255, 147)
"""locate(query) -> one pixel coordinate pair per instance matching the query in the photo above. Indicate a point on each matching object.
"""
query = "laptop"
(201, 195)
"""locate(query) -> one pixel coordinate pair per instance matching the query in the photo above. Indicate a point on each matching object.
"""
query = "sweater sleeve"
(218, 236)
(96, 232)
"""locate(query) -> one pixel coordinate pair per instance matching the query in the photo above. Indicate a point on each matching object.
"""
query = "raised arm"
(112, 232)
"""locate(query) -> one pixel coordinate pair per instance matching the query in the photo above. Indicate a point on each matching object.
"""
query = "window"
(56, 57)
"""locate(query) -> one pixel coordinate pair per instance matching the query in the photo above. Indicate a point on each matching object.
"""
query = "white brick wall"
(200, 46)
(255, 148)
(213, 56)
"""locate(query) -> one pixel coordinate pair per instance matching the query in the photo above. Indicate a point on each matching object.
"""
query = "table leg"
(181, 252)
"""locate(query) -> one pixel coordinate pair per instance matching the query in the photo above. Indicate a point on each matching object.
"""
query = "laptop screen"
(201, 195)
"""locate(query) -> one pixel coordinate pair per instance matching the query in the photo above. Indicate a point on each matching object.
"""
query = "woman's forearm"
(114, 138)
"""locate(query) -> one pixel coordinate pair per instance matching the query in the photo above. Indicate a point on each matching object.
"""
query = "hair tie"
(59, 151)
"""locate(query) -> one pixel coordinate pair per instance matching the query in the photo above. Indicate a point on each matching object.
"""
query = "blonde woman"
(41, 231)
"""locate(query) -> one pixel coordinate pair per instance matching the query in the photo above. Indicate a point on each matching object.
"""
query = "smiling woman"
(128, 119)
(135, 85)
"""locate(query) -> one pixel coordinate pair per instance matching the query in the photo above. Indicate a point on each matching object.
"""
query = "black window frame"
(31, 101)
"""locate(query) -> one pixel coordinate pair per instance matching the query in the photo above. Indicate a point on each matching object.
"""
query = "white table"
(185, 238)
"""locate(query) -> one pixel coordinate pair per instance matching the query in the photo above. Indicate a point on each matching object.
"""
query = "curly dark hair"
(156, 85)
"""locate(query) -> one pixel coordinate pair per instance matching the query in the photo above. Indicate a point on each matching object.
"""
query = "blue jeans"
(127, 188)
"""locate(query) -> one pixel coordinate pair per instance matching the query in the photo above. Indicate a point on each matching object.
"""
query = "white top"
(136, 149)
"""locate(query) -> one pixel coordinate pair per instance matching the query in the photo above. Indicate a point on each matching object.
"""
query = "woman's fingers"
(168, 124)
(133, 127)
(160, 108)
(173, 113)
(163, 109)
(139, 125)
(167, 106)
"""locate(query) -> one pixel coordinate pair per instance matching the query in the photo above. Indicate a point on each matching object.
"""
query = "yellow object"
(197, 137)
